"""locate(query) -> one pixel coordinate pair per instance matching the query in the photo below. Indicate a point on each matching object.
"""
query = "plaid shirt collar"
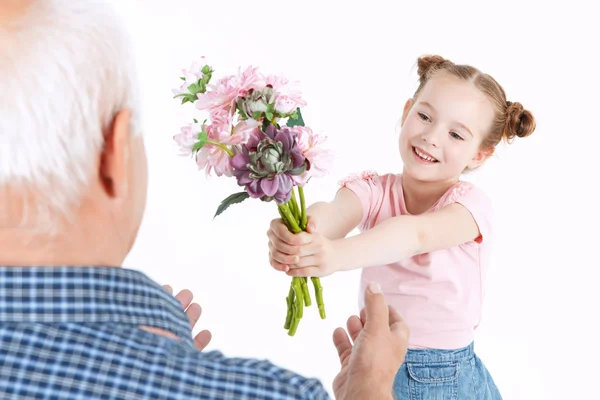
(89, 295)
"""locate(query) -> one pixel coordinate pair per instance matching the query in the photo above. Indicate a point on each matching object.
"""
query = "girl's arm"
(333, 220)
(337, 218)
(405, 236)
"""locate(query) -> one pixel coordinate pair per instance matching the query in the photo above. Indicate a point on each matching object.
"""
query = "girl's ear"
(407, 106)
(480, 158)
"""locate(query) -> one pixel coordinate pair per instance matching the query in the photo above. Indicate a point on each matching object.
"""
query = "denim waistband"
(439, 355)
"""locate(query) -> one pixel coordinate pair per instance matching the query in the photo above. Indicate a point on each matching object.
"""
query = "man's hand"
(380, 338)
(193, 312)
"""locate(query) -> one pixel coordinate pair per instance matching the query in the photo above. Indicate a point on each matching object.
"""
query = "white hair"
(65, 70)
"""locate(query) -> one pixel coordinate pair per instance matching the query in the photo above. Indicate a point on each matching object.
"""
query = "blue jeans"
(444, 375)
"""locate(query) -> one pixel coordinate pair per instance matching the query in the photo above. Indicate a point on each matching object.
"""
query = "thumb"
(311, 226)
(376, 309)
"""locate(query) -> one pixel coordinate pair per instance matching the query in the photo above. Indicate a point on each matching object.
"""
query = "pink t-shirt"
(439, 294)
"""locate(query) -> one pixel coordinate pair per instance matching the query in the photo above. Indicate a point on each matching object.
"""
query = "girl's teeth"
(424, 157)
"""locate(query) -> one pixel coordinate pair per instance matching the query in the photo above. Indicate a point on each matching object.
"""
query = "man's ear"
(114, 162)
(407, 107)
(480, 158)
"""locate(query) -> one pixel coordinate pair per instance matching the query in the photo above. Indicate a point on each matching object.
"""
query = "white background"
(356, 62)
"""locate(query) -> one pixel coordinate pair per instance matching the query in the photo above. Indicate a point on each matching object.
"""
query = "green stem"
(319, 295)
(284, 218)
(290, 304)
(300, 301)
(294, 323)
(295, 219)
(222, 146)
(294, 206)
(305, 292)
(303, 217)
(297, 309)
(293, 224)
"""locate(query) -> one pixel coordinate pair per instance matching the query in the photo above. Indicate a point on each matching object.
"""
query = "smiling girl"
(425, 234)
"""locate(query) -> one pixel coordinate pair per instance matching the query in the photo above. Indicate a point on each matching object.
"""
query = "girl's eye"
(456, 136)
(424, 117)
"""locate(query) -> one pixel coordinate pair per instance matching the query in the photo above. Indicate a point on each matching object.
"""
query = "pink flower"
(187, 138)
(193, 75)
(244, 129)
(320, 160)
(285, 105)
(222, 94)
(220, 116)
(214, 158)
(288, 96)
(251, 79)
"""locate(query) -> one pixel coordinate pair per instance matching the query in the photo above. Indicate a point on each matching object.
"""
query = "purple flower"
(267, 162)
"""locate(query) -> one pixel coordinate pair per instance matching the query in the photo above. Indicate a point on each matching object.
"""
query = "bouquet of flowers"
(245, 137)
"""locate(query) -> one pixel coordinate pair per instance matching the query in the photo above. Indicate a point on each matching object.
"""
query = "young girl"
(425, 234)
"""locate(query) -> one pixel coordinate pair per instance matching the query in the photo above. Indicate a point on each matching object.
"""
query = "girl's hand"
(284, 246)
(309, 253)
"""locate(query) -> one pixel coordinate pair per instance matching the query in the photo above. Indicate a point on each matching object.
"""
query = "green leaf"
(182, 78)
(202, 139)
(269, 115)
(232, 199)
(194, 88)
(203, 136)
(296, 119)
(256, 115)
(195, 120)
(206, 69)
(187, 97)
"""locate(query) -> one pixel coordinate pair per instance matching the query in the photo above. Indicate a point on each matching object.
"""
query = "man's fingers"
(394, 316)
(397, 325)
(342, 344)
(354, 326)
(185, 298)
(202, 340)
(376, 309)
(401, 330)
(193, 312)
(168, 288)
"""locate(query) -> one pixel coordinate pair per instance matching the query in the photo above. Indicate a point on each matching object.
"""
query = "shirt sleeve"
(368, 186)
(478, 204)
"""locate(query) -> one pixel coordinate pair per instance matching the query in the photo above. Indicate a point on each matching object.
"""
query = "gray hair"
(65, 70)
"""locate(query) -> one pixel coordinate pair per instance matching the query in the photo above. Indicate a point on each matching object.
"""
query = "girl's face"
(442, 129)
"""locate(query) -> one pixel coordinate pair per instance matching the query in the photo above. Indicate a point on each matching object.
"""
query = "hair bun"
(519, 122)
(429, 62)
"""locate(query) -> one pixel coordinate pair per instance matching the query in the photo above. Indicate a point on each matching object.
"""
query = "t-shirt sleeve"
(478, 204)
(368, 186)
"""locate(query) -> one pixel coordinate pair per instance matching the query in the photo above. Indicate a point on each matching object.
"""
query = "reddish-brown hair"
(511, 119)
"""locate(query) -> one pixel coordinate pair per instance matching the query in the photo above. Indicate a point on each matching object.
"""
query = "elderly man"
(73, 323)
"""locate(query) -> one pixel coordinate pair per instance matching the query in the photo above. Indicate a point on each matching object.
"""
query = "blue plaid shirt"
(72, 333)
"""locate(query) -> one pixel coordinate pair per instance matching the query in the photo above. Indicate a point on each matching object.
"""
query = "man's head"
(72, 160)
